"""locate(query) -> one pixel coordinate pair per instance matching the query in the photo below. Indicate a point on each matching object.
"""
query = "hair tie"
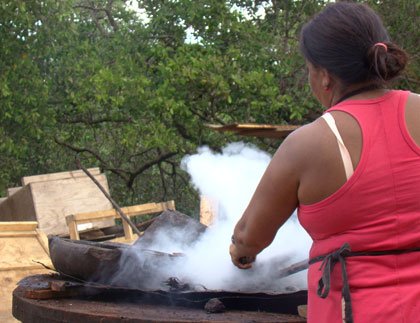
(382, 45)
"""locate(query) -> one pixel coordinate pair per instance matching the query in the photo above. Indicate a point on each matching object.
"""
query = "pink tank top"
(377, 209)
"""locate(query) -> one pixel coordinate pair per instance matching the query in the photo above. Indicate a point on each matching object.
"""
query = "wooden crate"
(48, 198)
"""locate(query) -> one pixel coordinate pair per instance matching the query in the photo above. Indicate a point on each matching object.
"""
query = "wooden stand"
(150, 208)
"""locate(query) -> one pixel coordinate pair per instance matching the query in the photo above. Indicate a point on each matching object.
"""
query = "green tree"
(132, 92)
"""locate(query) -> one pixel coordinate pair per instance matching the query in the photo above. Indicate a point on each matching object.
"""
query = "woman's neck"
(358, 91)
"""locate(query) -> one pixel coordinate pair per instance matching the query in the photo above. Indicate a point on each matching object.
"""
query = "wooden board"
(208, 210)
(55, 176)
(12, 190)
(18, 207)
(21, 252)
(8, 282)
(55, 199)
(18, 226)
(255, 130)
(18, 252)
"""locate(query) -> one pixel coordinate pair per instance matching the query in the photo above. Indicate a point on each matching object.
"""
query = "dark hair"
(343, 39)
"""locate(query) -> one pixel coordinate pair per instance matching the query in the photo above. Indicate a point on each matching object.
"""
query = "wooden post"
(169, 205)
(208, 210)
(72, 224)
(128, 232)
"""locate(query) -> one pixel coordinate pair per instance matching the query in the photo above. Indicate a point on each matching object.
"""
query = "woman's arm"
(272, 204)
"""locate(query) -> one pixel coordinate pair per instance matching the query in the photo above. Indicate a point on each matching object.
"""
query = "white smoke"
(229, 178)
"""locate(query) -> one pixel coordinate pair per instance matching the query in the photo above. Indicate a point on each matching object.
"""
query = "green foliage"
(132, 92)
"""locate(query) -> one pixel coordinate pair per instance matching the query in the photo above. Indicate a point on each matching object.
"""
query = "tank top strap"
(345, 155)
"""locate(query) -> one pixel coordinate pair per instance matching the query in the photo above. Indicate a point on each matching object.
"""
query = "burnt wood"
(107, 304)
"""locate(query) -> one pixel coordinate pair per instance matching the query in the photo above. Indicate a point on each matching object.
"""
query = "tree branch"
(151, 163)
(121, 173)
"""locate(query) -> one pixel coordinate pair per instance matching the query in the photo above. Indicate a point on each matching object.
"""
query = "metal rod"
(114, 204)
(294, 268)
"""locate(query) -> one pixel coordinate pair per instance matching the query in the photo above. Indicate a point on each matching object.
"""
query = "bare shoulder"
(414, 97)
(412, 116)
(413, 104)
(303, 143)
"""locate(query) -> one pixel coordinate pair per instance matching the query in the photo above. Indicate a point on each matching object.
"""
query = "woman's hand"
(242, 262)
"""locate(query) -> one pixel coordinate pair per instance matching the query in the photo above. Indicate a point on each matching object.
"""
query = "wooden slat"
(129, 211)
(18, 226)
(10, 234)
(55, 176)
(74, 233)
(74, 219)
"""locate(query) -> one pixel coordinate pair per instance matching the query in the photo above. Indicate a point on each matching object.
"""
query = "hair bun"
(386, 60)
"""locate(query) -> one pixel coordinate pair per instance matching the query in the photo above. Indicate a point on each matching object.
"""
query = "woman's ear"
(326, 80)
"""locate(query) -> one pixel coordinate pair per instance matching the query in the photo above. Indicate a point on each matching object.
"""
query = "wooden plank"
(208, 210)
(129, 211)
(18, 226)
(57, 176)
(168, 205)
(18, 207)
(43, 294)
(54, 200)
(17, 256)
(13, 190)
(8, 282)
(74, 233)
(128, 231)
(21, 251)
(256, 130)
(11, 234)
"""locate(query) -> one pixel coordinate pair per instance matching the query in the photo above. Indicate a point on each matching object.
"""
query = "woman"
(353, 175)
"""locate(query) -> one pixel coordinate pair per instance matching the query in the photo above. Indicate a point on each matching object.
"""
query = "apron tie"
(324, 283)
(327, 266)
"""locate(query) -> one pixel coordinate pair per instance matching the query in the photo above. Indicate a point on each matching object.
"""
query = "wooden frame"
(74, 219)
(12, 229)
